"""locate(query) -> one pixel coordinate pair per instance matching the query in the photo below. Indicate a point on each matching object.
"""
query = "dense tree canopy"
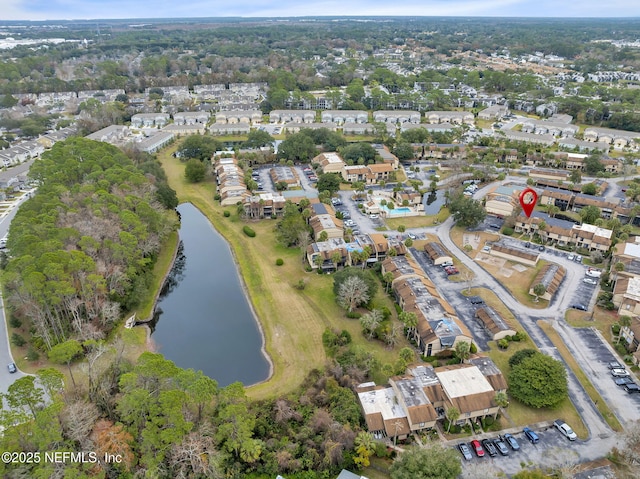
(466, 211)
(538, 381)
(431, 462)
(84, 245)
(298, 147)
(199, 147)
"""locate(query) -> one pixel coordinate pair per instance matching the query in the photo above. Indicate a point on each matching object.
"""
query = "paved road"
(6, 379)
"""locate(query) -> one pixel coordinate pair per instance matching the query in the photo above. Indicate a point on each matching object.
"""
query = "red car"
(477, 448)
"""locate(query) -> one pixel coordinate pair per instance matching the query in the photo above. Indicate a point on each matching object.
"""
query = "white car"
(618, 373)
(589, 281)
(374, 216)
(565, 430)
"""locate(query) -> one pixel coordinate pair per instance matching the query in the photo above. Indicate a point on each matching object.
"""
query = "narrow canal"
(203, 319)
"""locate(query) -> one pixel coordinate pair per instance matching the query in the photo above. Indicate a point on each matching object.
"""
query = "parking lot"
(553, 449)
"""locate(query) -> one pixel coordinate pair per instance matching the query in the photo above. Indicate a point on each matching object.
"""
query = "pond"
(433, 202)
(203, 319)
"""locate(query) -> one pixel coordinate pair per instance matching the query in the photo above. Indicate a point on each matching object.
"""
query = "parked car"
(589, 281)
(486, 249)
(594, 273)
(501, 446)
(570, 257)
(477, 448)
(12, 368)
(412, 236)
(618, 373)
(374, 216)
(565, 429)
(465, 450)
(489, 447)
(541, 248)
(623, 380)
(615, 365)
(451, 270)
(512, 441)
(632, 388)
(581, 307)
(532, 436)
(527, 245)
(578, 259)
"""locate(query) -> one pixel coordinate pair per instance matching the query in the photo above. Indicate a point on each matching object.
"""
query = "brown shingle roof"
(422, 413)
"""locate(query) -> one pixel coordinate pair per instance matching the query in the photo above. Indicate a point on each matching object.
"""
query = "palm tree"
(410, 321)
(463, 350)
(452, 414)
(539, 290)
(388, 279)
(501, 399)
(336, 257)
(625, 322)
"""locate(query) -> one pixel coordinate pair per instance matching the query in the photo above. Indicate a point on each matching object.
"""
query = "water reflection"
(203, 319)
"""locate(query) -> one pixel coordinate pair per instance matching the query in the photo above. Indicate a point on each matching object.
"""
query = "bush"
(503, 343)
(217, 197)
(353, 315)
(473, 349)
(33, 355)
(17, 340)
(226, 213)
(248, 231)
(300, 285)
(15, 322)
(507, 231)
(279, 262)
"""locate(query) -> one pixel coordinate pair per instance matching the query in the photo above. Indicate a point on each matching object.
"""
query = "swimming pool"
(403, 210)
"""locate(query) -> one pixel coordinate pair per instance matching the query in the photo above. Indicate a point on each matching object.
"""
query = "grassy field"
(582, 377)
(292, 320)
(418, 221)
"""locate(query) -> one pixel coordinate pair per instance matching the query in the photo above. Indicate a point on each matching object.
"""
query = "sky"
(106, 9)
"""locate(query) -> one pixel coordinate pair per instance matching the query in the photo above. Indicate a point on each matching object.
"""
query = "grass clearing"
(523, 415)
(601, 405)
(418, 221)
(292, 320)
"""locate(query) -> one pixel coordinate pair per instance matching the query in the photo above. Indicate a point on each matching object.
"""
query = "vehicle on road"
(489, 447)
(618, 373)
(532, 436)
(465, 450)
(565, 429)
(623, 380)
(632, 388)
(477, 448)
(486, 249)
(589, 281)
(615, 365)
(541, 248)
(501, 446)
(512, 441)
(12, 368)
(374, 216)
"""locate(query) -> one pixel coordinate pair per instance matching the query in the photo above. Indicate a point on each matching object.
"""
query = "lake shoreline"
(150, 343)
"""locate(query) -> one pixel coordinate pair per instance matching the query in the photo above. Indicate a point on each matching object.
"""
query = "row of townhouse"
(617, 138)
(574, 201)
(239, 116)
(438, 328)
(230, 182)
(149, 120)
(341, 117)
(335, 252)
(553, 128)
(416, 400)
(626, 292)
(564, 233)
(21, 152)
(331, 162)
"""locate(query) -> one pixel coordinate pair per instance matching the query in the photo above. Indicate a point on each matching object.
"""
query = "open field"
(582, 377)
(418, 221)
(292, 320)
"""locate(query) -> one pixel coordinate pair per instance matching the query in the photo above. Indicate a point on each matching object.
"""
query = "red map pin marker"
(528, 200)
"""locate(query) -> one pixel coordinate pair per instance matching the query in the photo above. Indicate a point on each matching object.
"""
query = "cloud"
(91, 9)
